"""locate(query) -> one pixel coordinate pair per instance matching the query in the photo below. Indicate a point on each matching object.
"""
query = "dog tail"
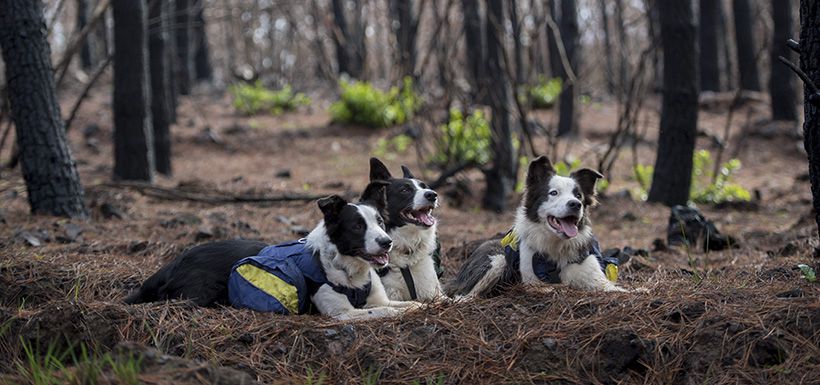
(479, 277)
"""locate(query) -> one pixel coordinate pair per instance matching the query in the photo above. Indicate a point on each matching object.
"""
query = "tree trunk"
(567, 111)
(556, 66)
(623, 49)
(746, 47)
(202, 61)
(168, 11)
(86, 50)
(782, 86)
(672, 179)
(810, 64)
(349, 44)
(475, 44)
(185, 53)
(610, 72)
(133, 142)
(709, 46)
(157, 41)
(48, 167)
(404, 25)
(652, 30)
(518, 45)
(501, 177)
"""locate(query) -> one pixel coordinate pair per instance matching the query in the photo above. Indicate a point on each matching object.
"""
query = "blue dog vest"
(546, 270)
(281, 279)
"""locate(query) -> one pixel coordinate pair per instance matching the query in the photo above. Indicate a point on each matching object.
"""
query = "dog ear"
(586, 179)
(378, 171)
(540, 171)
(332, 207)
(406, 172)
(376, 193)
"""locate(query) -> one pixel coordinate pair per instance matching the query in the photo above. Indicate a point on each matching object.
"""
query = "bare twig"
(814, 98)
(217, 197)
(77, 41)
(83, 94)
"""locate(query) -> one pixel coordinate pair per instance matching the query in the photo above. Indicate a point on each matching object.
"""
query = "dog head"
(357, 229)
(409, 200)
(557, 202)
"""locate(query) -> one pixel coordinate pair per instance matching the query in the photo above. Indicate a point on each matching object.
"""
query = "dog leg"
(366, 314)
(587, 275)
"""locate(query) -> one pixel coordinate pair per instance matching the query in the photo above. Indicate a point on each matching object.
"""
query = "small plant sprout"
(807, 272)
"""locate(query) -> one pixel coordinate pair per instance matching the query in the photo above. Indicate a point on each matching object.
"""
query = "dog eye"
(358, 227)
(422, 185)
(554, 192)
(405, 189)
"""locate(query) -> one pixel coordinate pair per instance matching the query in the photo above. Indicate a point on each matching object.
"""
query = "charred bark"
(48, 167)
(169, 9)
(782, 88)
(610, 72)
(202, 60)
(160, 106)
(349, 41)
(679, 112)
(185, 53)
(86, 49)
(567, 111)
(810, 64)
(746, 47)
(476, 48)
(133, 142)
(405, 27)
(710, 47)
(501, 177)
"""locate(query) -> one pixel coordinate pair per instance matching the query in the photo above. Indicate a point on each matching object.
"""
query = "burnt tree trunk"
(405, 26)
(567, 111)
(86, 49)
(48, 167)
(679, 112)
(746, 48)
(133, 142)
(610, 72)
(350, 54)
(157, 41)
(710, 51)
(810, 64)
(476, 48)
(782, 88)
(556, 66)
(202, 60)
(653, 32)
(168, 11)
(501, 177)
(518, 45)
(185, 53)
(623, 49)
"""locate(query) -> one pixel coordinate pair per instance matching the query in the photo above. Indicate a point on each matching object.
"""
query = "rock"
(29, 238)
(793, 293)
(334, 185)
(203, 233)
(659, 245)
(550, 343)
(688, 227)
(246, 338)
(70, 234)
(109, 211)
(284, 174)
(137, 246)
(183, 219)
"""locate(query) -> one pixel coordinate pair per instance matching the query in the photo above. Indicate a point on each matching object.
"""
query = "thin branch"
(83, 94)
(793, 45)
(211, 198)
(815, 97)
(77, 41)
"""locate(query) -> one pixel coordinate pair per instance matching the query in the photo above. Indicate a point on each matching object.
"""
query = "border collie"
(412, 226)
(551, 240)
(347, 245)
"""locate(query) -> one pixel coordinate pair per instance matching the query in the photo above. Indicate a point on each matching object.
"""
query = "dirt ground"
(743, 315)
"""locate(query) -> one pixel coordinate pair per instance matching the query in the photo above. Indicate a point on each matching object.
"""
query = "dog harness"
(408, 275)
(548, 271)
(282, 278)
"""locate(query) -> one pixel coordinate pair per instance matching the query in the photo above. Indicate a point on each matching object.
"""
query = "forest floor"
(742, 315)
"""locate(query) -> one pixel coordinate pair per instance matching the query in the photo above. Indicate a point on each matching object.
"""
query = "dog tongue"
(382, 260)
(427, 219)
(568, 227)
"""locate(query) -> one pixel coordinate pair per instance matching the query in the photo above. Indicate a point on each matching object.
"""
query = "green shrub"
(361, 103)
(545, 92)
(390, 147)
(251, 99)
(463, 140)
(706, 188)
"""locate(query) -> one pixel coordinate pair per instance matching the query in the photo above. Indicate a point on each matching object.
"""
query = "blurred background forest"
(131, 130)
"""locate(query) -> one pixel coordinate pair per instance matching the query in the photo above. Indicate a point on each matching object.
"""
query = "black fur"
(346, 228)
(537, 189)
(199, 274)
(400, 192)
(586, 179)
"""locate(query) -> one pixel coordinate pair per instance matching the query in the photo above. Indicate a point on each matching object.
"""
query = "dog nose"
(431, 196)
(574, 205)
(384, 242)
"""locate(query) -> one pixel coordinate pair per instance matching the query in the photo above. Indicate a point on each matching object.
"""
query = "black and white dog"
(551, 240)
(347, 245)
(411, 274)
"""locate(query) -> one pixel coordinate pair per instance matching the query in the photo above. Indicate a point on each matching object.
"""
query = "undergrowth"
(543, 94)
(362, 103)
(252, 99)
(463, 140)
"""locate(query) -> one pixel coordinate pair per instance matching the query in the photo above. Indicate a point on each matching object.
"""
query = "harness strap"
(411, 285)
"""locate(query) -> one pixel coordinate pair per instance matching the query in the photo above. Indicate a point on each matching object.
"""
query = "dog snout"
(574, 205)
(431, 196)
(384, 242)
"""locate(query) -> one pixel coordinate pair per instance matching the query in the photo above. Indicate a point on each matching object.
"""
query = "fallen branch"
(211, 198)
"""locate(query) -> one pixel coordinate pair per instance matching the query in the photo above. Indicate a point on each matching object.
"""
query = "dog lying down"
(332, 271)
(551, 240)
